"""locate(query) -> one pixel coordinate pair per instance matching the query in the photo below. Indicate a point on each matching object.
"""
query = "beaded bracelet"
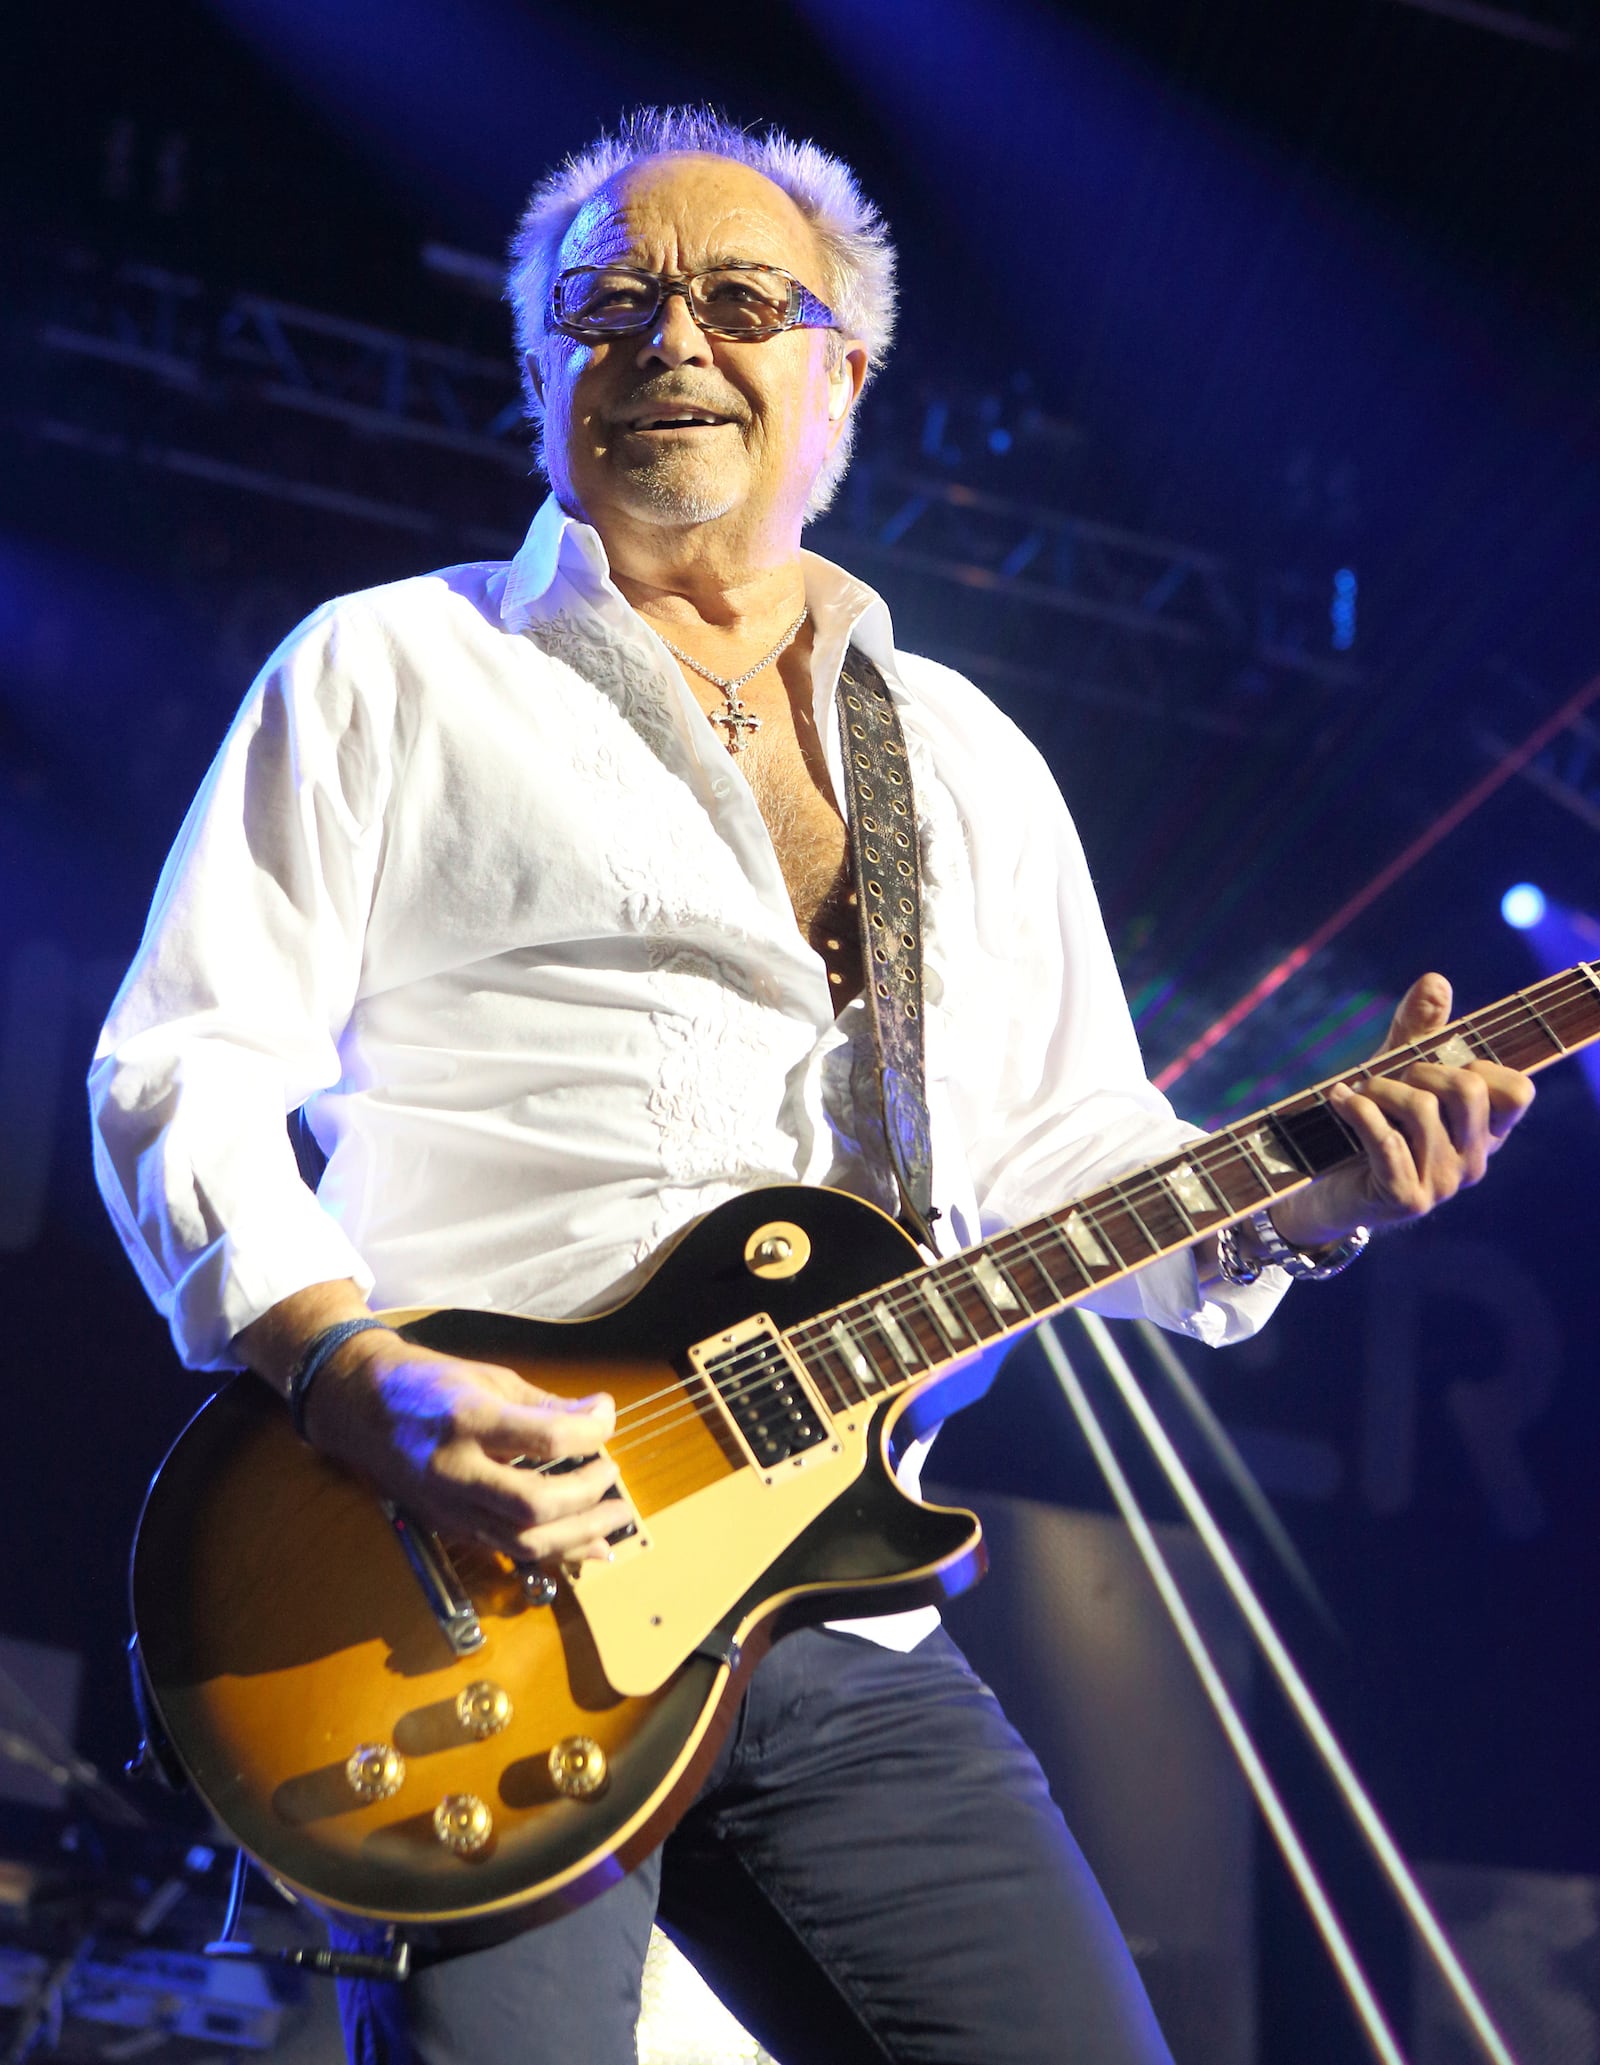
(314, 1356)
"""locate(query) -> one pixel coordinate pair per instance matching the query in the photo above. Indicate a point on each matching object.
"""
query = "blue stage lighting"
(1342, 613)
(1522, 906)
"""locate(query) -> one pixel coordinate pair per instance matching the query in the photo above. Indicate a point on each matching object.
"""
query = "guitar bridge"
(776, 1417)
(436, 1574)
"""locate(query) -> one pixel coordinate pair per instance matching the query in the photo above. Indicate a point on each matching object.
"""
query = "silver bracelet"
(1315, 1265)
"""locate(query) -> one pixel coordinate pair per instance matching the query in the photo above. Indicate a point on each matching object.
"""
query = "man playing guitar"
(530, 883)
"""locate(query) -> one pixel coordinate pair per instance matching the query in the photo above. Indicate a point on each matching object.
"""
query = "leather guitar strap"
(890, 1098)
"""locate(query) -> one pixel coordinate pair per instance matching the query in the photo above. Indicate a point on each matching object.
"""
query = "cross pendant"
(737, 723)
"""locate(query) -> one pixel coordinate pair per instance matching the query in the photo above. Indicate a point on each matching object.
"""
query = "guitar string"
(1028, 1245)
(670, 1407)
(1031, 1245)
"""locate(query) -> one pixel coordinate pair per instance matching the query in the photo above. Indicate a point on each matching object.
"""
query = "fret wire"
(854, 1326)
(1544, 1022)
(905, 1300)
(1029, 1242)
(849, 1388)
(982, 1337)
(1217, 1191)
(1214, 1149)
(1287, 1138)
(1582, 996)
(1208, 1157)
(997, 1325)
(910, 1290)
(1032, 1241)
(1214, 1154)
(1015, 1257)
(1258, 1167)
(904, 1347)
(906, 1288)
(928, 1289)
(1227, 1150)
(1138, 1219)
(903, 1297)
(1056, 1221)
(1248, 1155)
(817, 1369)
(1088, 1212)
(998, 1251)
(1182, 1209)
(983, 1268)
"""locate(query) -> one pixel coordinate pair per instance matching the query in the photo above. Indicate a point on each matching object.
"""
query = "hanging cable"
(1362, 2000)
(1237, 1471)
(1349, 1787)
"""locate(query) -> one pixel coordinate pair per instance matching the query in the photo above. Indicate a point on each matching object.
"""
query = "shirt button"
(722, 786)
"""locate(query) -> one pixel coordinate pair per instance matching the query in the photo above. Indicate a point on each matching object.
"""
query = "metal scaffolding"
(248, 388)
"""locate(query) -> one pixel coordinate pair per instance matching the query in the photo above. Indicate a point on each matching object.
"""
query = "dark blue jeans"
(874, 1870)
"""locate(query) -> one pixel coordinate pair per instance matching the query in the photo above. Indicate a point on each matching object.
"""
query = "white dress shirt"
(473, 880)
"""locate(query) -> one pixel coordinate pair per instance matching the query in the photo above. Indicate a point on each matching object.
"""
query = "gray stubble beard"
(668, 495)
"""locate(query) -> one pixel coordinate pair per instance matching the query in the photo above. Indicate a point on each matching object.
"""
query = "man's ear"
(535, 373)
(845, 381)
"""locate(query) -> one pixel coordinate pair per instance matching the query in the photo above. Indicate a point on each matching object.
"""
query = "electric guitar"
(433, 1736)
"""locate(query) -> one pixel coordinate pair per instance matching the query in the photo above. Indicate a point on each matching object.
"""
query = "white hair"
(857, 258)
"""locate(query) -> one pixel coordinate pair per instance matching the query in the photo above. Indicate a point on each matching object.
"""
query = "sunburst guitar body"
(424, 1733)
(438, 1738)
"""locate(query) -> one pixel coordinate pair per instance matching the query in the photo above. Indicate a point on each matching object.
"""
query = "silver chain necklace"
(737, 722)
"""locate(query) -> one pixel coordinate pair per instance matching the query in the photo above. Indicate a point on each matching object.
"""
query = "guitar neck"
(874, 1346)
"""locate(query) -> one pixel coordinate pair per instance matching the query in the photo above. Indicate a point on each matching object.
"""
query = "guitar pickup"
(561, 1467)
(776, 1416)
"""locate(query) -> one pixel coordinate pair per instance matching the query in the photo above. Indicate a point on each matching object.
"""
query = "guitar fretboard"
(912, 1328)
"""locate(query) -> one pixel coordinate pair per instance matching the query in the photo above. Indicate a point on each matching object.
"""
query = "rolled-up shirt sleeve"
(231, 1013)
(1066, 1105)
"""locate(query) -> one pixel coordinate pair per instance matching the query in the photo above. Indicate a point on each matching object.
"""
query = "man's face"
(772, 410)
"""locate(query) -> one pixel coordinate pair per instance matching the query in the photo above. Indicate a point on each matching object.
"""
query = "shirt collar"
(557, 546)
(559, 550)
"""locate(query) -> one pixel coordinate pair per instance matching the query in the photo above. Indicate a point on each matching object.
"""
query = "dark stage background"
(1242, 441)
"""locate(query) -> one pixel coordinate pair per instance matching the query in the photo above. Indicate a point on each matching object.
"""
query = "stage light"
(1522, 906)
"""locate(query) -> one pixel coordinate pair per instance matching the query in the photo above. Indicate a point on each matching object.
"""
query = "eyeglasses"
(746, 301)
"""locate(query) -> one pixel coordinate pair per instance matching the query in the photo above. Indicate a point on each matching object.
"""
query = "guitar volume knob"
(578, 1767)
(463, 1823)
(483, 1708)
(374, 1771)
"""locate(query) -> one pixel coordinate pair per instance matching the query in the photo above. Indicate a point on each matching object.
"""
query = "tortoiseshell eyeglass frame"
(806, 311)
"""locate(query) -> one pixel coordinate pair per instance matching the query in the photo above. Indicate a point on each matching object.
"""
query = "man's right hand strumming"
(444, 1437)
